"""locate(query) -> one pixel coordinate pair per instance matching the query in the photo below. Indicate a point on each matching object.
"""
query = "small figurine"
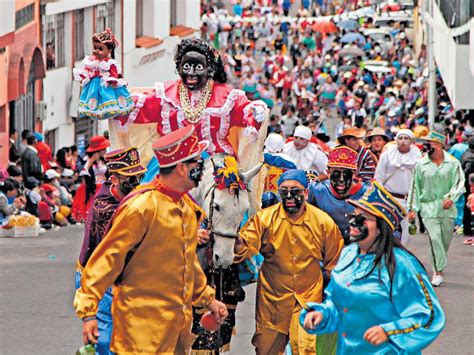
(104, 93)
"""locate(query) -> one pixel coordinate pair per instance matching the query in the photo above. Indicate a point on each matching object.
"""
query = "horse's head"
(225, 201)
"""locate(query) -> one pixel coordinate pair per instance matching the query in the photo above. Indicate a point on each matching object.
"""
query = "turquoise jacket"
(354, 304)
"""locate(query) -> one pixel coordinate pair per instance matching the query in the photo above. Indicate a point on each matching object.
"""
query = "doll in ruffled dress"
(104, 91)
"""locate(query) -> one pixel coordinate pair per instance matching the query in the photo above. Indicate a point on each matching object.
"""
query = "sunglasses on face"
(359, 219)
(345, 174)
(284, 191)
(194, 161)
(133, 179)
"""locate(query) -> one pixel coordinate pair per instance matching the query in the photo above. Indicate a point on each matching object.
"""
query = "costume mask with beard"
(292, 199)
(195, 174)
(129, 185)
(341, 180)
(194, 70)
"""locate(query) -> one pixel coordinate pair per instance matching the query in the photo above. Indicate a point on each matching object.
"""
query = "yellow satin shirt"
(292, 250)
(152, 304)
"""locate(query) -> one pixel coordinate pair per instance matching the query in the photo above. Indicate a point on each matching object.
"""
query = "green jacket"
(432, 184)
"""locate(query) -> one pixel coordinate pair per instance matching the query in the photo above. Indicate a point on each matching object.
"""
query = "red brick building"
(22, 69)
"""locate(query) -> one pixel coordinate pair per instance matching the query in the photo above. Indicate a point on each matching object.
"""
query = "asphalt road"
(37, 287)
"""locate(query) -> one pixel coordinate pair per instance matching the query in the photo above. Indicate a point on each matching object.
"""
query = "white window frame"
(104, 17)
(139, 19)
(54, 33)
(79, 34)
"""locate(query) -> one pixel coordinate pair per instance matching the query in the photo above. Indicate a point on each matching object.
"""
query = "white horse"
(224, 208)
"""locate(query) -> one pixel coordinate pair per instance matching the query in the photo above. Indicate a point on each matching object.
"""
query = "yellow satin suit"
(290, 275)
(152, 304)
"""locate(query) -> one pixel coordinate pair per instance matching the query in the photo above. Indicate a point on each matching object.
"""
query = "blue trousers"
(104, 319)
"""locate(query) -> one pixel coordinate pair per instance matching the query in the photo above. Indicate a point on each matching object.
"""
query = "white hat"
(405, 132)
(303, 132)
(274, 143)
(51, 174)
(67, 173)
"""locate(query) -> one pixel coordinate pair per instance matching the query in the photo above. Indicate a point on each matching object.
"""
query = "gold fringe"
(203, 352)
(224, 349)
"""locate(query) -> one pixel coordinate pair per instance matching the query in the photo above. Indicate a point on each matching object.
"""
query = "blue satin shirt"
(412, 320)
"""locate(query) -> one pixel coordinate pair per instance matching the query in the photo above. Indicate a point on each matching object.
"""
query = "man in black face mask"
(154, 228)
(295, 239)
(125, 171)
(331, 195)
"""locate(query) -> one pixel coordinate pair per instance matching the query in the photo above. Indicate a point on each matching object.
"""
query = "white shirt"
(288, 124)
(395, 170)
(311, 157)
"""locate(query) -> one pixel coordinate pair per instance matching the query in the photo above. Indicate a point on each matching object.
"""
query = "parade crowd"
(331, 233)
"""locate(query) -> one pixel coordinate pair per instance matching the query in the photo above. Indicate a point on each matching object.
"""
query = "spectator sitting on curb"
(9, 190)
(50, 210)
(32, 195)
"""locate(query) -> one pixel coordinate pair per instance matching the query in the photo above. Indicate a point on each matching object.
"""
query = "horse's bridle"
(212, 231)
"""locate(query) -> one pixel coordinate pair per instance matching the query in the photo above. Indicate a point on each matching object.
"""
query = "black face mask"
(428, 148)
(129, 185)
(195, 174)
(357, 222)
(194, 70)
(292, 199)
(341, 181)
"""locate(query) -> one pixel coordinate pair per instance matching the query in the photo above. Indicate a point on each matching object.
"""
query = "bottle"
(88, 349)
(412, 229)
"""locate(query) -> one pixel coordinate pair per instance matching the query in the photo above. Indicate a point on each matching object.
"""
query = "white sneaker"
(437, 280)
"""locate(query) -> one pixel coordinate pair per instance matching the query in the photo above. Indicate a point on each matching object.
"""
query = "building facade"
(450, 21)
(22, 70)
(148, 31)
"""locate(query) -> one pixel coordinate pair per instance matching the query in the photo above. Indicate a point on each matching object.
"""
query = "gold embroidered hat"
(178, 146)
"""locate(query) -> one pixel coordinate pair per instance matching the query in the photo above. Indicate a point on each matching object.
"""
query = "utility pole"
(428, 8)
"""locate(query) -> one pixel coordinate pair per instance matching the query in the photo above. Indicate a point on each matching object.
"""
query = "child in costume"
(104, 91)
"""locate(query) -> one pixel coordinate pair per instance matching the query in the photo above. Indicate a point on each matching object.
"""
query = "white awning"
(59, 7)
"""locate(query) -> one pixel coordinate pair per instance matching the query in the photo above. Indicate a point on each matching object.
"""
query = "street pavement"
(37, 287)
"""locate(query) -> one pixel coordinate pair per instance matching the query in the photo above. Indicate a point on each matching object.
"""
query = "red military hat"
(343, 157)
(178, 146)
(124, 162)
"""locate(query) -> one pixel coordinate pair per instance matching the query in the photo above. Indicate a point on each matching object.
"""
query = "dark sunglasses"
(346, 174)
(293, 191)
(135, 179)
(358, 219)
(193, 161)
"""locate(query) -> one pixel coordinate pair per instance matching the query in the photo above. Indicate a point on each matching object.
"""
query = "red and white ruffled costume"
(227, 108)
(107, 69)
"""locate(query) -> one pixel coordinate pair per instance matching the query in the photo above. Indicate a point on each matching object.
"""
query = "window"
(50, 139)
(139, 19)
(85, 129)
(104, 17)
(24, 16)
(79, 33)
(173, 13)
(54, 41)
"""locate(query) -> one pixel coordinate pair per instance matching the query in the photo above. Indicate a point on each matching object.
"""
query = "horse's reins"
(210, 228)
(213, 233)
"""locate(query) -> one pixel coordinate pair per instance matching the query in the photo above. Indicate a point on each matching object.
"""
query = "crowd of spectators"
(37, 182)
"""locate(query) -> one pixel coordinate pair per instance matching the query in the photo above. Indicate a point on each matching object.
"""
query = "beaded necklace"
(193, 114)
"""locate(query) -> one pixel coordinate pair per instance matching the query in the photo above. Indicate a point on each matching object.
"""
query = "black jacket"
(31, 164)
(14, 154)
